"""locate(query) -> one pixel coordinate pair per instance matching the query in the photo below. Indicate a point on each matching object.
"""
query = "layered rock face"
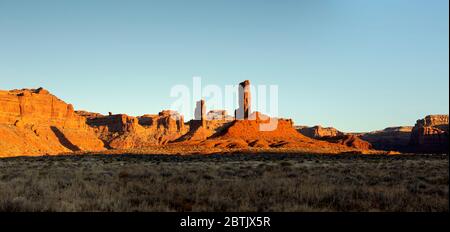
(34, 122)
(218, 115)
(318, 132)
(431, 134)
(248, 134)
(333, 135)
(349, 141)
(205, 125)
(38, 106)
(122, 131)
(166, 120)
(390, 139)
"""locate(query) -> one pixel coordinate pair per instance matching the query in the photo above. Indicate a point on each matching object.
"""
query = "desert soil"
(260, 182)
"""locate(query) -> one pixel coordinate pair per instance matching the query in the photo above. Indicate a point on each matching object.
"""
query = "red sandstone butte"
(333, 135)
(318, 132)
(431, 134)
(34, 122)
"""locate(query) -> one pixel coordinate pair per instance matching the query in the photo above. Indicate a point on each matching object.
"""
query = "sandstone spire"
(244, 110)
(200, 112)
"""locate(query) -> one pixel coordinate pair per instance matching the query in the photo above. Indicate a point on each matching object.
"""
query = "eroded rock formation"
(218, 115)
(244, 134)
(244, 110)
(200, 113)
(318, 132)
(349, 141)
(123, 132)
(431, 134)
(34, 122)
(390, 139)
(333, 135)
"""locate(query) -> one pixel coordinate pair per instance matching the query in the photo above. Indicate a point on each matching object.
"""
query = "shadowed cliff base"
(63, 140)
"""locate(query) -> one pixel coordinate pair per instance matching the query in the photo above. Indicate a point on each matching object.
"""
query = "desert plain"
(225, 183)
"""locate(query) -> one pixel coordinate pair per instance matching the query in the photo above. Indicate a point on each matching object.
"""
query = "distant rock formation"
(390, 139)
(431, 134)
(317, 132)
(89, 115)
(34, 122)
(349, 141)
(333, 135)
(123, 132)
(218, 115)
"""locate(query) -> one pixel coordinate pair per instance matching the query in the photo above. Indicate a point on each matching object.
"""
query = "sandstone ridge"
(35, 122)
(333, 135)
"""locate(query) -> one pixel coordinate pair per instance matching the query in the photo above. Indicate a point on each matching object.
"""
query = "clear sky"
(357, 65)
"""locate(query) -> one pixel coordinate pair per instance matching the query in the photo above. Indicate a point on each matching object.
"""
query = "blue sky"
(357, 65)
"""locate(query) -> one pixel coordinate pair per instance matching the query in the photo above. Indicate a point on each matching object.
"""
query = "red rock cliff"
(123, 132)
(431, 134)
(34, 122)
(318, 132)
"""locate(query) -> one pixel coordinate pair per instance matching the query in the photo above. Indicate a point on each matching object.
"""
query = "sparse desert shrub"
(225, 183)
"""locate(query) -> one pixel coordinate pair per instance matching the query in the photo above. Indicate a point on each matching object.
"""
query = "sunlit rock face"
(35, 122)
(121, 131)
(333, 135)
(318, 132)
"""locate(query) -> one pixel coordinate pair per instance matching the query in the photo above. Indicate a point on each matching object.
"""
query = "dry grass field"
(225, 183)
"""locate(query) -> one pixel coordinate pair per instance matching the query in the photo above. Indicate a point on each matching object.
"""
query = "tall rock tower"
(200, 112)
(244, 110)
